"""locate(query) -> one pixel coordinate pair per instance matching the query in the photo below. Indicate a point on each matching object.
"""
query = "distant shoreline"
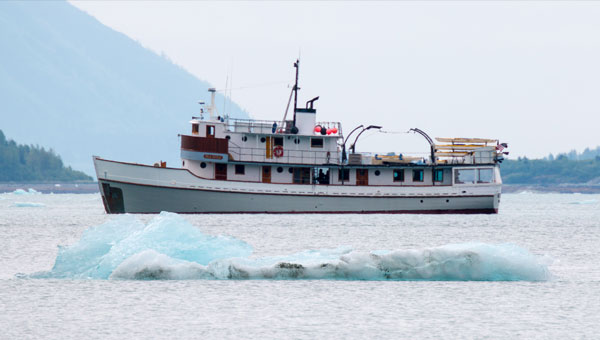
(92, 188)
(556, 189)
(56, 187)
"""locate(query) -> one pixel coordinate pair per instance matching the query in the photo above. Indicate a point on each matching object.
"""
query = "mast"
(297, 66)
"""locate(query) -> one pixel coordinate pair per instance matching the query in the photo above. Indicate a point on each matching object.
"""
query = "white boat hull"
(133, 188)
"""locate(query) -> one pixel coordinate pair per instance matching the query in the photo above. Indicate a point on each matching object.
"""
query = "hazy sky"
(527, 73)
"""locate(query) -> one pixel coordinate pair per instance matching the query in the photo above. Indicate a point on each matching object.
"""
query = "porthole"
(377, 172)
(291, 170)
(421, 201)
(203, 165)
(447, 201)
(244, 138)
(279, 169)
(227, 137)
(262, 139)
(297, 141)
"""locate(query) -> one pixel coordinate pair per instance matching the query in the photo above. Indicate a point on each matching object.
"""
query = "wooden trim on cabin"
(205, 144)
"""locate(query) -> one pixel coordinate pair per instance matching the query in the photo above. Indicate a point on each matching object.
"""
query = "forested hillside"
(551, 172)
(28, 163)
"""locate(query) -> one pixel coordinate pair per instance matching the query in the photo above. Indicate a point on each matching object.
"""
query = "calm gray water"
(561, 230)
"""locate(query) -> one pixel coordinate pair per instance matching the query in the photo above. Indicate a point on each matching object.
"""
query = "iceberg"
(28, 205)
(170, 248)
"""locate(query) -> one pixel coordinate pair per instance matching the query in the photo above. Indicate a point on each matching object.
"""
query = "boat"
(301, 165)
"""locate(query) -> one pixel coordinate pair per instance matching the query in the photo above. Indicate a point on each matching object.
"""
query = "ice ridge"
(170, 248)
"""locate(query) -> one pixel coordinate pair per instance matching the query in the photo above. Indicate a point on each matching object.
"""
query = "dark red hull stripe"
(395, 212)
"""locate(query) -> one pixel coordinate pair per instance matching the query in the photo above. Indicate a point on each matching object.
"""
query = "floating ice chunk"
(461, 262)
(29, 191)
(169, 247)
(28, 205)
(592, 201)
(150, 265)
(103, 248)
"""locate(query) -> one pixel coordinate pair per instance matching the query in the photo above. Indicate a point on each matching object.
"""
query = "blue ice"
(169, 247)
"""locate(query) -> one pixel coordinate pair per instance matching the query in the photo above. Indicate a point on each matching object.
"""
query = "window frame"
(435, 175)
(278, 141)
(346, 175)
(312, 142)
(400, 176)
(238, 167)
(210, 131)
(457, 172)
(421, 177)
(479, 181)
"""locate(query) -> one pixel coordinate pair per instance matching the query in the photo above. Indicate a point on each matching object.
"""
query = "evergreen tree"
(19, 163)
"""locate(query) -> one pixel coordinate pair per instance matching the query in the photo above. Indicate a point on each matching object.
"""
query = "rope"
(394, 132)
(254, 86)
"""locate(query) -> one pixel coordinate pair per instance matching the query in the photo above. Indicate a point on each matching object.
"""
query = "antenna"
(297, 66)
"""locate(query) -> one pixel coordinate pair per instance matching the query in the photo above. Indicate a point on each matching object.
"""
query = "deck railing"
(289, 156)
(266, 126)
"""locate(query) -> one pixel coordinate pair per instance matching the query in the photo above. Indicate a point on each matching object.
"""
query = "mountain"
(28, 163)
(72, 84)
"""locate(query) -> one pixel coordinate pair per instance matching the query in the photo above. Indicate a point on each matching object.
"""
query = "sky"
(526, 73)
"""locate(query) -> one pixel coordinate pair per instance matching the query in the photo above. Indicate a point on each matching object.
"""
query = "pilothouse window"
(278, 141)
(210, 131)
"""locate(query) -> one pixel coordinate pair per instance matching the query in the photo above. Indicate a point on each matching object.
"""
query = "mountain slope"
(70, 83)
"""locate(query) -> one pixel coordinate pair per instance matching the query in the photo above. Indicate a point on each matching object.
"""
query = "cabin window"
(203, 165)
(279, 169)
(438, 175)
(399, 175)
(296, 141)
(263, 139)
(195, 129)
(344, 175)
(486, 176)
(316, 142)
(244, 138)
(278, 141)
(301, 175)
(463, 176)
(210, 131)
(377, 172)
(240, 169)
(291, 170)
(418, 175)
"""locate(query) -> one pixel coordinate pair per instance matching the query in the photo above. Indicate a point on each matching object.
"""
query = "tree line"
(559, 170)
(24, 163)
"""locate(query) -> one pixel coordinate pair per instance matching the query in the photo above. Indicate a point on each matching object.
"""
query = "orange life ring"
(278, 151)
